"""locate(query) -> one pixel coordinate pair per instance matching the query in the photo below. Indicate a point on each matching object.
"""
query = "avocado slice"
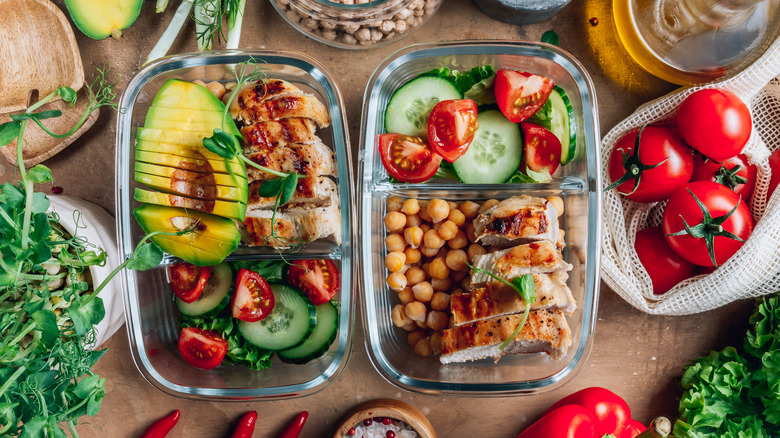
(211, 240)
(98, 19)
(193, 163)
(202, 186)
(185, 95)
(184, 119)
(221, 179)
(228, 209)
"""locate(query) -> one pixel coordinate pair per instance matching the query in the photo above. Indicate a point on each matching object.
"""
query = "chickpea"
(432, 239)
(442, 252)
(471, 232)
(415, 336)
(437, 226)
(404, 268)
(440, 301)
(199, 82)
(448, 230)
(396, 281)
(439, 269)
(217, 89)
(411, 327)
(490, 203)
(437, 320)
(414, 275)
(457, 276)
(413, 255)
(469, 209)
(399, 316)
(425, 267)
(394, 261)
(435, 342)
(456, 260)
(441, 285)
(394, 242)
(415, 311)
(413, 220)
(457, 217)
(410, 207)
(475, 250)
(394, 203)
(394, 221)
(557, 202)
(453, 205)
(423, 213)
(423, 347)
(429, 252)
(459, 241)
(438, 210)
(421, 324)
(406, 296)
(425, 227)
(413, 236)
(423, 291)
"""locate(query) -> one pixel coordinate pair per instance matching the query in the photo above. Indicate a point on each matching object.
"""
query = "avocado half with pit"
(98, 19)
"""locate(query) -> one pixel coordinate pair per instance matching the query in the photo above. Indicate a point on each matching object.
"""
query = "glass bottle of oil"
(694, 41)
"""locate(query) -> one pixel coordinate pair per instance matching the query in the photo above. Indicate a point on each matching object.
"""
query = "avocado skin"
(88, 17)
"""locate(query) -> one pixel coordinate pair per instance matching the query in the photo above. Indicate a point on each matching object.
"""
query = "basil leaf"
(9, 131)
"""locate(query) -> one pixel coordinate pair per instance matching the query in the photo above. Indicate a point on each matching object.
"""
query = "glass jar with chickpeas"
(356, 24)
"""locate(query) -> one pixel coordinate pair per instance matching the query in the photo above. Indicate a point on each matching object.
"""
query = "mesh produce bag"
(755, 269)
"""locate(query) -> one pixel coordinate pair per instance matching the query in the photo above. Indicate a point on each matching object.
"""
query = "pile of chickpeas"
(428, 244)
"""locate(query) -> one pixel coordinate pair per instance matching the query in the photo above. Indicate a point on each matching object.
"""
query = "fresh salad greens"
(736, 394)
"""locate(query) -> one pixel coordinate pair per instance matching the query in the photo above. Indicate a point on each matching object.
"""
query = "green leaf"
(271, 270)
(67, 94)
(40, 174)
(43, 115)
(146, 256)
(530, 177)
(8, 416)
(550, 37)
(9, 131)
(40, 203)
(222, 144)
(543, 117)
(85, 316)
(289, 183)
(46, 322)
(86, 386)
(34, 428)
(270, 188)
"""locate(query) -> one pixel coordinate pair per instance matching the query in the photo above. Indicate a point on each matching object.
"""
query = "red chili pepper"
(296, 425)
(569, 421)
(161, 427)
(246, 425)
(610, 412)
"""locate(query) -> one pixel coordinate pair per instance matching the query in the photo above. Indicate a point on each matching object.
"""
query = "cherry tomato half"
(719, 201)
(520, 94)
(710, 170)
(658, 145)
(202, 349)
(664, 266)
(408, 159)
(774, 164)
(253, 299)
(318, 279)
(542, 148)
(188, 280)
(451, 127)
(714, 122)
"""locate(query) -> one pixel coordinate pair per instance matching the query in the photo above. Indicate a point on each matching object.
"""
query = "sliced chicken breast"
(294, 225)
(313, 159)
(296, 105)
(276, 133)
(516, 220)
(497, 299)
(316, 191)
(252, 93)
(531, 258)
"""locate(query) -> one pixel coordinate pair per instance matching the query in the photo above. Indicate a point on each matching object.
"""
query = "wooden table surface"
(638, 356)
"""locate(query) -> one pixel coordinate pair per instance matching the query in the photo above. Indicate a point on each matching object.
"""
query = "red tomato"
(408, 159)
(774, 164)
(542, 148)
(665, 267)
(719, 201)
(633, 428)
(660, 147)
(253, 299)
(609, 411)
(318, 279)
(451, 127)
(520, 94)
(721, 173)
(569, 421)
(202, 348)
(714, 122)
(188, 280)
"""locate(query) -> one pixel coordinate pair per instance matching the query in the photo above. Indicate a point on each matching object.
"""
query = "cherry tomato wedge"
(451, 127)
(188, 280)
(542, 149)
(253, 299)
(520, 94)
(318, 279)
(741, 181)
(202, 349)
(408, 159)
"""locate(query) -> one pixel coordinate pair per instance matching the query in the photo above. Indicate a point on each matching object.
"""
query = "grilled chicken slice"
(545, 331)
(276, 133)
(274, 99)
(516, 220)
(313, 159)
(293, 225)
(316, 191)
(531, 258)
(497, 299)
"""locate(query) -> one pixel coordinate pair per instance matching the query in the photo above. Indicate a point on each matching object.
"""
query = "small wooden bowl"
(390, 408)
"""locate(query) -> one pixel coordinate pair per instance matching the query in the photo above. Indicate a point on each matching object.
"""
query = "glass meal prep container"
(578, 183)
(149, 307)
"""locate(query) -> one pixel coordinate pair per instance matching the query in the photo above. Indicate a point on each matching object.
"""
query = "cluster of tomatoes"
(698, 167)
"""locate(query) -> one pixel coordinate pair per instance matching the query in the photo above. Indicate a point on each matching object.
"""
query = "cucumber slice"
(289, 324)
(214, 293)
(495, 153)
(562, 123)
(320, 339)
(408, 110)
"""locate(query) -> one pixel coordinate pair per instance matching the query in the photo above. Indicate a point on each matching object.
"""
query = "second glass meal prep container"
(149, 307)
(578, 183)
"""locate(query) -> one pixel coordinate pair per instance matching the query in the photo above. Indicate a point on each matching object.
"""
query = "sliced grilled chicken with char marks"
(252, 93)
(276, 99)
(497, 299)
(544, 331)
(531, 258)
(313, 159)
(302, 223)
(516, 220)
(277, 133)
(316, 191)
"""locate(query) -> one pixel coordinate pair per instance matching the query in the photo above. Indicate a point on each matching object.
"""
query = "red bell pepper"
(246, 425)
(611, 413)
(569, 421)
(161, 427)
(296, 425)
(633, 428)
